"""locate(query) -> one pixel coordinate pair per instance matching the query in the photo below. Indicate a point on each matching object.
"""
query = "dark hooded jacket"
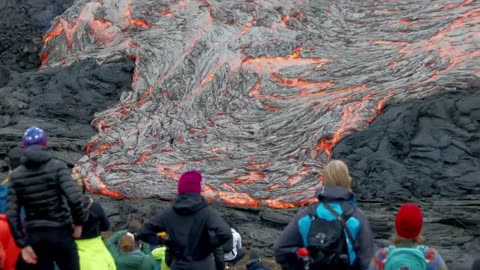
(97, 221)
(291, 238)
(194, 231)
(44, 187)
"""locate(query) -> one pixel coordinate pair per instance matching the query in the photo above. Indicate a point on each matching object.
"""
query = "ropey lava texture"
(253, 93)
(60, 100)
(22, 24)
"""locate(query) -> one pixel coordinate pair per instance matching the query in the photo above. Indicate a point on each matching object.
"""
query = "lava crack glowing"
(255, 94)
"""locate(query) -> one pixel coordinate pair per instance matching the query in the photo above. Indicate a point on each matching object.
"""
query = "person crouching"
(130, 254)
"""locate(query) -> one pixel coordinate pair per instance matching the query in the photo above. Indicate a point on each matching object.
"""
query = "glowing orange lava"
(139, 23)
(57, 31)
(252, 177)
(170, 171)
(308, 82)
(271, 65)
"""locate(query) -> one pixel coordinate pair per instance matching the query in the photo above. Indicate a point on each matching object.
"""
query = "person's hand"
(77, 232)
(162, 235)
(29, 255)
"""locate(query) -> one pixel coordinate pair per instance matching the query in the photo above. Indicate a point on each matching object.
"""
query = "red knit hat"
(189, 182)
(409, 221)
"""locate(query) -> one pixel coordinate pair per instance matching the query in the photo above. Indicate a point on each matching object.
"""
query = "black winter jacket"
(194, 229)
(43, 186)
(97, 221)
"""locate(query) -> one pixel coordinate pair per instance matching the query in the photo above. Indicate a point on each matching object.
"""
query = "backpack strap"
(343, 219)
(312, 210)
(424, 249)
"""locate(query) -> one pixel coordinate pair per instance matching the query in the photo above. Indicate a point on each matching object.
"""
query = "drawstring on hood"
(86, 202)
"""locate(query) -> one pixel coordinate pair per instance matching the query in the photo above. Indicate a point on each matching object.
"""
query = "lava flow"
(254, 94)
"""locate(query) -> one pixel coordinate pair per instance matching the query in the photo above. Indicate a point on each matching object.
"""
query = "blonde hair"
(80, 184)
(336, 174)
(396, 239)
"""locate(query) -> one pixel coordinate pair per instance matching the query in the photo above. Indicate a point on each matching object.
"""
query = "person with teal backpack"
(408, 251)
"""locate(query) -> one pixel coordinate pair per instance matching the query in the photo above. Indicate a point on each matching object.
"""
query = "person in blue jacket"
(336, 194)
(3, 196)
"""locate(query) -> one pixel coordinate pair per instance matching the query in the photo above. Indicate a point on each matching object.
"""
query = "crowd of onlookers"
(49, 222)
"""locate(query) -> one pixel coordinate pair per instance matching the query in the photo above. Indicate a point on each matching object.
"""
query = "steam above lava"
(253, 93)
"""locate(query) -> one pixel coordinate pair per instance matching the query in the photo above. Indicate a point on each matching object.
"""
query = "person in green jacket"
(128, 254)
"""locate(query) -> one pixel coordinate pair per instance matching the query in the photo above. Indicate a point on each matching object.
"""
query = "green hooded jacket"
(141, 260)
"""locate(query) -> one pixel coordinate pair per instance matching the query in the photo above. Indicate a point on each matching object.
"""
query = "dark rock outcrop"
(420, 148)
(61, 100)
(23, 24)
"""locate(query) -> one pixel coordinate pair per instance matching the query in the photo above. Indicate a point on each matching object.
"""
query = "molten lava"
(255, 94)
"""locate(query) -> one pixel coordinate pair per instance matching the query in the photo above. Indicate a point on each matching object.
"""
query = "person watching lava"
(54, 215)
(194, 229)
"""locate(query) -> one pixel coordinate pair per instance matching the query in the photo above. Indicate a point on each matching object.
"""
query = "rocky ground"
(451, 226)
(424, 150)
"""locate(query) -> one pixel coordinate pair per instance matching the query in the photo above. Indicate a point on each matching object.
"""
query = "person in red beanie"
(8, 249)
(194, 230)
(408, 250)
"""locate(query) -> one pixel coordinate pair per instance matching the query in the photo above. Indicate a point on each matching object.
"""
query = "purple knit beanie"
(190, 182)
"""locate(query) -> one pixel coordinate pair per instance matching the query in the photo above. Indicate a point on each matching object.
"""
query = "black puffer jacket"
(44, 187)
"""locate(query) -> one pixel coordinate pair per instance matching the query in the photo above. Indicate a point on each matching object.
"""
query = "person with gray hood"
(330, 234)
(192, 229)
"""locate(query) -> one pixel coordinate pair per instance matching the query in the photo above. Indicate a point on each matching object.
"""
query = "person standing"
(194, 230)
(331, 234)
(44, 188)
(408, 250)
(92, 251)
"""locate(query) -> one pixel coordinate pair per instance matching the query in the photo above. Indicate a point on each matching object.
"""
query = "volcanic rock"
(23, 23)
(421, 148)
(62, 101)
(257, 93)
(450, 226)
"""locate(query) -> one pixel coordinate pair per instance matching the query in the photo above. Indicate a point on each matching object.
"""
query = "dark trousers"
(51, 245)
(240, 255)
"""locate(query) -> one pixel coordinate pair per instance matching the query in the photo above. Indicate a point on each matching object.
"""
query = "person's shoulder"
(209, 210)
(15, 173)
(430, 253)
(306, 211)
(60, 164)
(96, 206)
(359, 214)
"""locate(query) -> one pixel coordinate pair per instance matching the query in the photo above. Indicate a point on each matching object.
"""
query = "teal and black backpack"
(400, 258)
